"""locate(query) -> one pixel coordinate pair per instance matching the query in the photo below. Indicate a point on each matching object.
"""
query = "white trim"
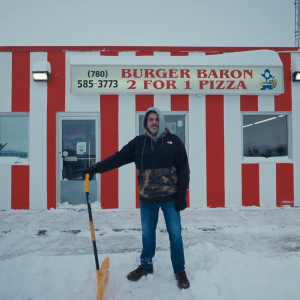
(161, 53)
(79, 102)
(38, 138)
(127, 53)
(126, 133)
(5, 187)
(265, 103)
(267, 185)
(233, 144)
(6, 81)
(196, 53)
(197, 151)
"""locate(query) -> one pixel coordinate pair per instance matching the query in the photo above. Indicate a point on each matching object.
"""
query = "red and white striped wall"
(219, 175)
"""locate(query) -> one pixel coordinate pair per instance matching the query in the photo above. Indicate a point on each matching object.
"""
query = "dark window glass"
(175, 123)
(78, 146)
(14, 136)
(265, 135)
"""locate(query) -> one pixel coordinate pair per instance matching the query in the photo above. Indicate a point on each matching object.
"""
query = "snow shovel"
(103, 272)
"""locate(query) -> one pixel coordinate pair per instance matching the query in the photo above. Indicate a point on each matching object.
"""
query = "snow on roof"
(247, 58)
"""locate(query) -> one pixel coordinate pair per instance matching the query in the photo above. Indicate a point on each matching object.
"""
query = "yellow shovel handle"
(86, 183)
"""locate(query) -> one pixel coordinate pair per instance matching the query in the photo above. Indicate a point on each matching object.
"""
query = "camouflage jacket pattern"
(162, 166)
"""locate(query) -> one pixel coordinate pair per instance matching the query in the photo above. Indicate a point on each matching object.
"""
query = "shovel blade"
(102, 278)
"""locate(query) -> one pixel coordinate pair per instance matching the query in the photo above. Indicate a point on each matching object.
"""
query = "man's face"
(153, 123)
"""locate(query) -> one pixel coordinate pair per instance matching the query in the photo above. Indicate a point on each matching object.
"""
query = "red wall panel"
(215, 161)
(250, 185)
(20, 187)
(180, 102)
(55, 103)
(20, 82)
(143, 102)
(283, 102)
(249, 103)
(284, 184)
(109, 109)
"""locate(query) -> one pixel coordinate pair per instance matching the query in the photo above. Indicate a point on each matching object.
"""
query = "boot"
(138, 273)
(182, 281)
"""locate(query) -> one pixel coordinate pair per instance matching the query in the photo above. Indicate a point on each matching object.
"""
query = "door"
(78, 149)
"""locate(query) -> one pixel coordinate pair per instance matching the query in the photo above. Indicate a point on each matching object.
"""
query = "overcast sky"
(147, 23)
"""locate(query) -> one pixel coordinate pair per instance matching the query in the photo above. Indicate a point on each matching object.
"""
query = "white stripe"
(38, 138)
(75, 102)
(296, 135)
(5, 187)
(127, 53)
(158, 53)
(196, 53)
(197, 151)
(163, 102)
(267, 184)
(5, 81)
(265, 103)
(127, 173)
(233, 151)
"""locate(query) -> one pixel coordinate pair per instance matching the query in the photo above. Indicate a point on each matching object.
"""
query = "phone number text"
(98, 83)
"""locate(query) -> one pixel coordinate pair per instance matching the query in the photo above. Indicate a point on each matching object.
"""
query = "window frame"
(277, 159)
(178, 113)
(19, 114)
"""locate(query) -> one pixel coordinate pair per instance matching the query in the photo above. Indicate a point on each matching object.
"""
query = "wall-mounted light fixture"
(41, 71)
(296, 69)
(296, 76)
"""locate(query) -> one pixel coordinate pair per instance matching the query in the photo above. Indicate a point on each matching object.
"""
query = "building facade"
(237, 110)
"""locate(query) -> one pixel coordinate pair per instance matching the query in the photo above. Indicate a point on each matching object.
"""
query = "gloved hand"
(91, 171)
(180, 204)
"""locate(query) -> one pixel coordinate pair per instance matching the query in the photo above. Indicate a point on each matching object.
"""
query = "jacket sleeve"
(183, 170)
(120, 158)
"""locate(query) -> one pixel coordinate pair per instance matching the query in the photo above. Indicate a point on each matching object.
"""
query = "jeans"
(149, 219)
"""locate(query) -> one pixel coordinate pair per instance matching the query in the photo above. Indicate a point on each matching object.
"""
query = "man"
(163, 176)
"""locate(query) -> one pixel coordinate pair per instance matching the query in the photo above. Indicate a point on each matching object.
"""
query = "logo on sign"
(267, 80)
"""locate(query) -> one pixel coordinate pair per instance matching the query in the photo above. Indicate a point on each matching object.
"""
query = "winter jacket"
(162, 166)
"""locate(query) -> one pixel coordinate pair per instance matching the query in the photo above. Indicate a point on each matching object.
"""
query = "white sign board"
(177, 79)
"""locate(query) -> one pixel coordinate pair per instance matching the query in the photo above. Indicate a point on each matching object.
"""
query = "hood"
(162, 123)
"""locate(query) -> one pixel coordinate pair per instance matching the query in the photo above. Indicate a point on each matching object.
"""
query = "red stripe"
(249, 103)
(284, 184)
(109, 107)
(55, 103)
(283, 102)
(144, 53)
(20, 187)
(179, 53)
(215, 151)
(213, 52)
(250, 185)
(143, 102)
(180, 102)
(109, 53)
(20, 82)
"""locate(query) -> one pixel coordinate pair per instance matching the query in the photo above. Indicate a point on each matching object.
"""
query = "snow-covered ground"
(247, 253)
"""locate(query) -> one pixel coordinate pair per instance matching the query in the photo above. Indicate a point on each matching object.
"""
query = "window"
(176, 123)
(265, 135)
(14, 135)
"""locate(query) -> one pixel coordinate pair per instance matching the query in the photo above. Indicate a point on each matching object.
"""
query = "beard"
(153, 130)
